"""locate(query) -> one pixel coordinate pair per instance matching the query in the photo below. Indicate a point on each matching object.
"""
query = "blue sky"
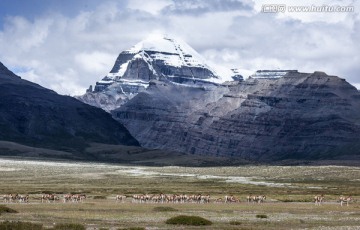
(31, 9)
(66, 45)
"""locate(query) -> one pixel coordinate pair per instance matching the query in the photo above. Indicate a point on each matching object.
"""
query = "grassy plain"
(289, 192)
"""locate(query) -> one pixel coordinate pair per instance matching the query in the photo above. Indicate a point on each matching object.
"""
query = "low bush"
(188, 220)
(164, 209)
(68, 226)
(132, 228)
(99, 197)
(4, 209)
(295, 200)
(7, 225)
(235, 222)
(45, 192)
(261, 216)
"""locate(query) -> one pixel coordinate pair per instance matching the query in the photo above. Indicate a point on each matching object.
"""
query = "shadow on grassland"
(133, 155)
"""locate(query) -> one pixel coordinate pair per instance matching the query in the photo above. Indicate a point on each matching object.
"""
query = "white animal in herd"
(319, 199)
(120, 198)
(8, 198)
(75, 198)
(23, 198)
(49, 197)
(345, 199)
(256, 199)
(231, 199)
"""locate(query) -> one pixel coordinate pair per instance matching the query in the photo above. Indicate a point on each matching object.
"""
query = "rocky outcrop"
(298, 116)
(236, 75)
(36, 116)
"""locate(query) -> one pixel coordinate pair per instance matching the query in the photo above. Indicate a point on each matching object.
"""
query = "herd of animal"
(8, 198)
(319, 199)
(157, 198)
(17, 198)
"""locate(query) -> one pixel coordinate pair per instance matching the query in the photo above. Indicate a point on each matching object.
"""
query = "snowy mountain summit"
(158, 57)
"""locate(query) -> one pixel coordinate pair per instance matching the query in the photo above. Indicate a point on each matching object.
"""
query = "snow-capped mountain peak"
(162, 50)
(181, 53)
(158, 57)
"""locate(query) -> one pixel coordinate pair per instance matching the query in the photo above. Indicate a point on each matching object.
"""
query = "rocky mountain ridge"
(297, 116)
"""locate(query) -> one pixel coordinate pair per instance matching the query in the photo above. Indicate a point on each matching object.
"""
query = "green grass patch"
(4, 209)
(7, 225)
(69, 226)
(261, 216)
(188, 220)
(164, 209)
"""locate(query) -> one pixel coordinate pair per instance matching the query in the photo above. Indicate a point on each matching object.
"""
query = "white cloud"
(149, 6)
(94, 62)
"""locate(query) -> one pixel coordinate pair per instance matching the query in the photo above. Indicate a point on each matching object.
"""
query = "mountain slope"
(299, 116)
(155, 58)
(33, 115)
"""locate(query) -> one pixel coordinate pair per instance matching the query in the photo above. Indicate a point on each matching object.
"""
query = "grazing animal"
(344, 199)
(195, 198)
(141, 198)
(162, 197)
(120, 198)
(74, 198)
(256, 199)
(11, 197)
(155, 198)
(49, 197)
(7, 198)
(205, 198)
(231, 199)
(261, 199)
(79, 197)
(67, 197)
(319, 199)
(249, 198)
(23, 198)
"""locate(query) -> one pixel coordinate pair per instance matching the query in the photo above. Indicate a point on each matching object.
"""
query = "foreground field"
(289, 192)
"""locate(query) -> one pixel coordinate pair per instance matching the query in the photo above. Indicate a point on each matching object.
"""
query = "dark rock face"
(120, 60)
(31, 114)
(138, 69)
(299, 116)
